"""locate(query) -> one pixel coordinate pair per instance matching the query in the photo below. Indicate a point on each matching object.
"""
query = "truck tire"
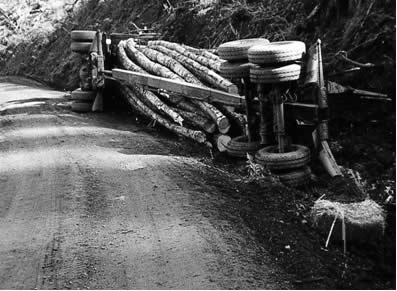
(80, 95)
(234, 70)
(298, 157)
(239, 147)
(82, 35)
(276, 52)
(295, 178)
(81, 107)
(80, 47)
(271, 75)
(237, 50)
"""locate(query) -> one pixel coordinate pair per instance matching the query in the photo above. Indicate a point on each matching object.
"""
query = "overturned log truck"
(250, 100)
(244, 100)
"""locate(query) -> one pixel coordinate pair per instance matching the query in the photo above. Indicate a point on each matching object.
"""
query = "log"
(131, 93)
(160, 105)
(199, 70)
(150, 97)
(183, 103)
(210, 63)
(197, 120)
(170, 97)
(156, 69)
(189, 106)
(239, 119)
(124, 61)
(221, 120)
(202, 52)
(201, 108)
(170, 63)
(220, 141)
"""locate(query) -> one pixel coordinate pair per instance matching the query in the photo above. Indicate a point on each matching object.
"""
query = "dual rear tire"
(239, 147)
(82, 41)
(290, 167)
(82, 100)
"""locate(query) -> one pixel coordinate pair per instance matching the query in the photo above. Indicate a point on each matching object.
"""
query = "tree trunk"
(131, 95)
(152, 67)
(187, 105)
(239, 119)
(203, 107)
(160, 105)
(170, 63)
(220, 141)
(183, 103)
(170, 97)
(201, 71)
(221, 120)
(202, 52)
(197, 120)
(210, 63)
(125, 62)
(148, 95)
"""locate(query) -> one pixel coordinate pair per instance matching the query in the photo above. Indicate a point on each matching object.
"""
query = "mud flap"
(325, 156)
(97, 106)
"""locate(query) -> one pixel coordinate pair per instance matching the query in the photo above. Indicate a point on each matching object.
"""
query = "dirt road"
(87, 201)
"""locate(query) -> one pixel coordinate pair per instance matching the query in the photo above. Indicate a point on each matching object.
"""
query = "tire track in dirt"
(36, 207)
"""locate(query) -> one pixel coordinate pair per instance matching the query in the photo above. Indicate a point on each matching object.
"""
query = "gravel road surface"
(87, 201)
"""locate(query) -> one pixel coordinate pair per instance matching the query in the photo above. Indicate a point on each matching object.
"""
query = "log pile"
(209, 124)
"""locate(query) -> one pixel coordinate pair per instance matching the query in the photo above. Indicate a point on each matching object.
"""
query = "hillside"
(37, 42)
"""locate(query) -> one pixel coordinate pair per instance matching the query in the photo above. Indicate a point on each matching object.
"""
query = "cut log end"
(220, 141)
(210, 127)
(223, 124)
(233, 89)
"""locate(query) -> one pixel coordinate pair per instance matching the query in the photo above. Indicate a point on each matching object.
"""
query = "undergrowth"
(365, 29)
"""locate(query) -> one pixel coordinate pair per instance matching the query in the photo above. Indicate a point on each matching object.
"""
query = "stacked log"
(131, 93)
(149, 96)
(202, 52)
(204, 73)
(170, 63)
(211, 63)
(195, 119)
